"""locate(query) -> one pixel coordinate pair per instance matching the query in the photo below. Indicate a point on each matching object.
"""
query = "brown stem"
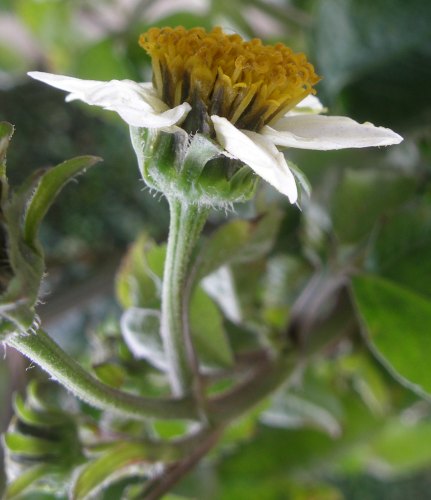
(164, 483)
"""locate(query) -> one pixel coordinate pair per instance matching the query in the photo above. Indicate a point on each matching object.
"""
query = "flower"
(247, 96)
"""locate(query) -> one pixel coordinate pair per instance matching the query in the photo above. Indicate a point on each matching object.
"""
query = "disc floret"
(247, 82)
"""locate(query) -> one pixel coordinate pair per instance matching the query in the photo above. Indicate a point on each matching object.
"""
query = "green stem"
(186, 224)
(41, 349)
(265, 380)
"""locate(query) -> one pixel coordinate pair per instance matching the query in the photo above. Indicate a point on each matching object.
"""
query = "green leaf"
(292, 411)
(366, 45)
(220, 286)
(102, 61)
(122, 460)
(363, 196)
(6, 132)
(111, 374)
(48, 188)
(25, 479)
(403, 448)
(141, 332)
(379, 58)
(31, 446)
(402, 250)
(138, 282)
(239, 241)
(209, 336)
(39, 418)
(397, 323)
(48, 21)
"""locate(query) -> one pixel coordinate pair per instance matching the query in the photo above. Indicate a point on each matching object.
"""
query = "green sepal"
(191, 167)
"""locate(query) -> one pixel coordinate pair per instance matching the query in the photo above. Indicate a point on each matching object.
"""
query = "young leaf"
(238, 240)
(6, 132)
(397, 324)
(138, 282)
(141, 332)
(48, 188)
(121, 460)
(24, 480)
(209, 337)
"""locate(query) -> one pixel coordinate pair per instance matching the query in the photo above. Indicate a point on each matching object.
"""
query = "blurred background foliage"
(358, 423)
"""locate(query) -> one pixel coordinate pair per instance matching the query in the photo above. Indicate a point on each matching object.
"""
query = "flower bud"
(191, 167)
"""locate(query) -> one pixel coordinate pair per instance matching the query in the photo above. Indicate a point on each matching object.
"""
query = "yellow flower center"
(248, 83)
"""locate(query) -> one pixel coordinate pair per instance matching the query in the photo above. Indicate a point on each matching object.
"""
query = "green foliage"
(254, 280)
(42, 445)
(398, 324)
(383, 60)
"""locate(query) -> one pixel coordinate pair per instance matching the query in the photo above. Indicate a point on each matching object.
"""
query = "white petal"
(136, 103)
(311, 104)
(259, 154)
(327, 132)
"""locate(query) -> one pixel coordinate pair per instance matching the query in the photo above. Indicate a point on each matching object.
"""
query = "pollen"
(247, 82)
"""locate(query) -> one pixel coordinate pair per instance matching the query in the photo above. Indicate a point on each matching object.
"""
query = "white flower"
(302, 127)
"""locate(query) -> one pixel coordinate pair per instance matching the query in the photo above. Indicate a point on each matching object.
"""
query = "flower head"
(248, 83)
(244, 96)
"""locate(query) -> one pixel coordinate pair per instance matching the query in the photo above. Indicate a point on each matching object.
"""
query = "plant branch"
(164, 483)
(41, 349)
(261, 383)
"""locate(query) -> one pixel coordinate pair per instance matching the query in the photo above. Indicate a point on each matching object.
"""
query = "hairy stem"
(185, 227)
(268, 377)
(41, 349)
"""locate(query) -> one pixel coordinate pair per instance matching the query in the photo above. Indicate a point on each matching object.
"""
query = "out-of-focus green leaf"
(37, 417)
(220, 286)
(48, 188)
(6, 132)
(141, 332)
(302, 409)
(187, 19)
(368, 34)
(122, 460)
(137, 284)
(31, 447)
(48, 20)
(239, 240)
(102, 61)
(397, 323)
(378, 55)
(403, 448)
(362, 197)
(402, 250)
(209, 336)
(27, 478)
(111, 374)
(367, 380)
(281, 453)
(11, 60)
